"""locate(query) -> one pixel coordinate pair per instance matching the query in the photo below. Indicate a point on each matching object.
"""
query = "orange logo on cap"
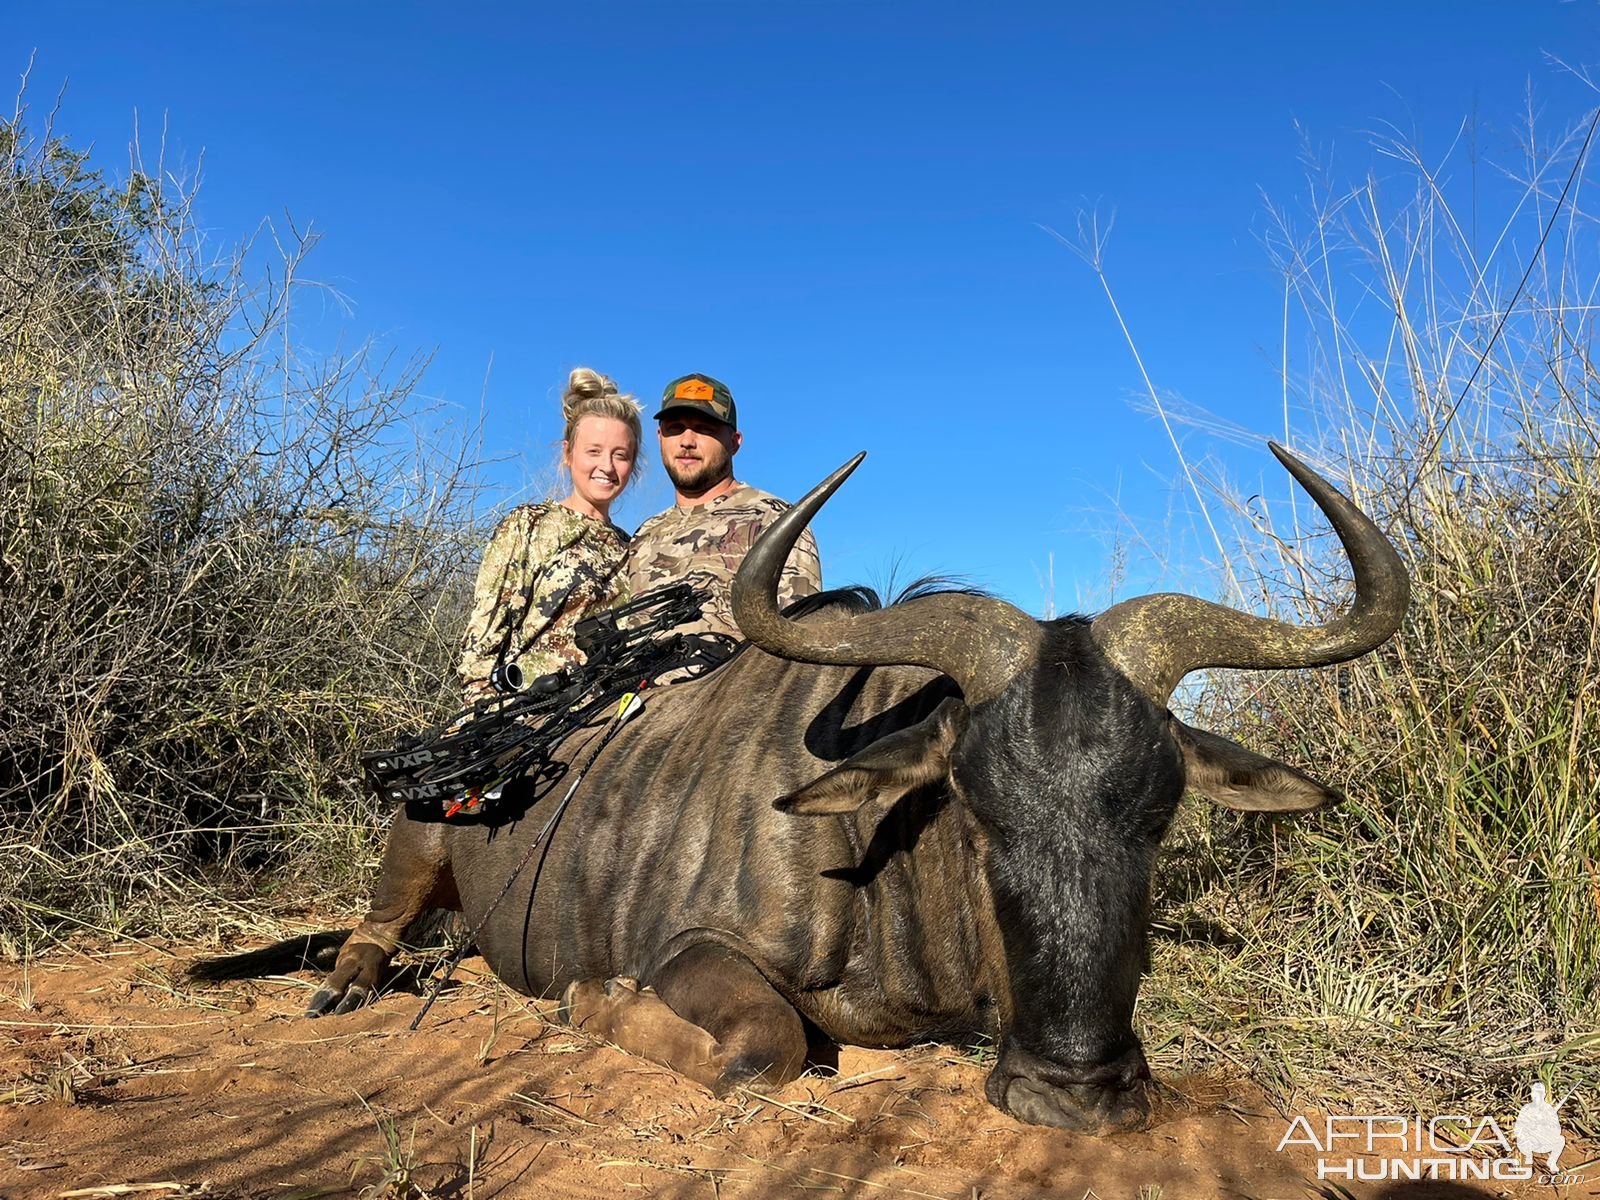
(693, 389)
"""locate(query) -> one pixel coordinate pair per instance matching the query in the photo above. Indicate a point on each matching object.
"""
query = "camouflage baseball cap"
(702, 394)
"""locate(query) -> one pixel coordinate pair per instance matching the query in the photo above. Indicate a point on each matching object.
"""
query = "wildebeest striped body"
(875, 924)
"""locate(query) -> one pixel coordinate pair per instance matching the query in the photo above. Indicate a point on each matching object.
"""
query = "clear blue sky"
(834, 207)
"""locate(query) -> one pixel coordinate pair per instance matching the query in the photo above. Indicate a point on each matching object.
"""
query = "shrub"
(222, 567)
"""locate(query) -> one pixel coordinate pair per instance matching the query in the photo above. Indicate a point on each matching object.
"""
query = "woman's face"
(600, 456)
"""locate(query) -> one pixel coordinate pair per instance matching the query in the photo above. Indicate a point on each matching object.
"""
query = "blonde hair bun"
(585, 385)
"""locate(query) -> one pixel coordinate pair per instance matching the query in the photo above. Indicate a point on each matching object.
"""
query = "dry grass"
(1435, 940)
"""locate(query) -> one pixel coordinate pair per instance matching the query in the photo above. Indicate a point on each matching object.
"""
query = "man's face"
(697, 451)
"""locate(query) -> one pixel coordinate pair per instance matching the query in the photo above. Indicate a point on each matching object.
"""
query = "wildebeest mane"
(860, 598)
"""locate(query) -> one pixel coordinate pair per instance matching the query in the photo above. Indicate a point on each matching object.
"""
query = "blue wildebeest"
(968, 806)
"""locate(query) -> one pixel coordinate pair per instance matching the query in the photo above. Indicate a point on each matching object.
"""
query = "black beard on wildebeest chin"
(1075, 814)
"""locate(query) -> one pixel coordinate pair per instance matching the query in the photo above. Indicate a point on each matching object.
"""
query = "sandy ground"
(113, 1072)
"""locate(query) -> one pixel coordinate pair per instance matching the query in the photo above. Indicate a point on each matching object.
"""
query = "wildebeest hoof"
(583, 1002)
(327, 1000)
(354, 998)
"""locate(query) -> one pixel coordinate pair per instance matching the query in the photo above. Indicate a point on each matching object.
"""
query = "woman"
(549, 565)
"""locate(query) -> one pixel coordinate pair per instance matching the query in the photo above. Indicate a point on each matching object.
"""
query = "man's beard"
(702, 477)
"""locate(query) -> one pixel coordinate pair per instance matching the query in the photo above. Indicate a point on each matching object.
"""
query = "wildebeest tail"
(435, 927)
(308, 952)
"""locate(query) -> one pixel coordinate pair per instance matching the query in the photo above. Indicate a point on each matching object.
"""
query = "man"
(705, 535)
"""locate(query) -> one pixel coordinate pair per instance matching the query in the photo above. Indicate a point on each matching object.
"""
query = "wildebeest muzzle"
(1111, 1097)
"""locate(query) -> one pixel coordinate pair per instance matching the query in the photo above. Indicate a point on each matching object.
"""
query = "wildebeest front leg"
(709, 1014)
(415, 876)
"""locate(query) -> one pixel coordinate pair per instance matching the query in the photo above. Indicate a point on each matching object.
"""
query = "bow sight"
(458, 768)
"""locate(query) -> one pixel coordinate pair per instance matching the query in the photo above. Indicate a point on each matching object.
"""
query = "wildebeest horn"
(1156, 640)
(979, 642)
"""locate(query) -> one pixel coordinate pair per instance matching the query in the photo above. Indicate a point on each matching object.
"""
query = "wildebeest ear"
(1228, 774)
(889, 768)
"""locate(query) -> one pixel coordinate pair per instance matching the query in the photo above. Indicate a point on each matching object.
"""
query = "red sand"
(228, 1087)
